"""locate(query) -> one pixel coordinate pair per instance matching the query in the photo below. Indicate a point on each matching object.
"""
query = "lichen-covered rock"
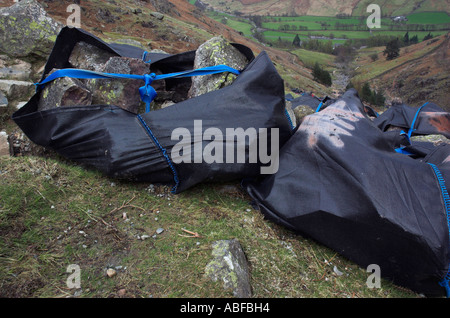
(230, 266)
(26, 30)
(301, 111)
(120, 92)
(89, 57)
(435, 139)
(64, 91)
(216, 51)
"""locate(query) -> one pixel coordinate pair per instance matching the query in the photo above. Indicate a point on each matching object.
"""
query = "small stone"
(3, 100)
(145, 236)
(157, 15)
(4, 144)
(17, 90)
(336, 271)
(159, 230)
(111, 272)
(230, 267)
(14, 69)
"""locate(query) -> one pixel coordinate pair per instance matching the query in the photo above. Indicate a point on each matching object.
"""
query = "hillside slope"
(326, 8)
(418, 75)
(183, 28)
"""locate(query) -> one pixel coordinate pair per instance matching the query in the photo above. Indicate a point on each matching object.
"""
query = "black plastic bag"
(134, 147)
(425, 120)
(342, 183)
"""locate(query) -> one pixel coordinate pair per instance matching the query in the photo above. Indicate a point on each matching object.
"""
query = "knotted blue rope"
(147, 92)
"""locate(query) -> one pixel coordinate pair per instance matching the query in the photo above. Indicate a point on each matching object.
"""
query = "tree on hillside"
(366, 92)
(414, 40)
(428, 36)
(406, 38)
(372, 97)
(296, 42)
(392, 50)
(320, 75)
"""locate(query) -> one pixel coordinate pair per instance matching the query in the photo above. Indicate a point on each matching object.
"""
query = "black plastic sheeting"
(339, 179)
(306, 99)
(134, 147)
(431, 119)
(341, 183)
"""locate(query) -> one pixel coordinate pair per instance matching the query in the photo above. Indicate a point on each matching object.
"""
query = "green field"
(424, 21)
(428, 18)
(239, 24)
(310, 57)
(337, 29)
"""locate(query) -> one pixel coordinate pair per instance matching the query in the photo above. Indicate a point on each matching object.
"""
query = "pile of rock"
(120, 92)
(27, 35)
(124, 92)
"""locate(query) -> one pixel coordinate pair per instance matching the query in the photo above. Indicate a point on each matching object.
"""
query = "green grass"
(309, 58)
(238, 24)
(428, 18)
(400, 7)
(370, 70)
(47, 202)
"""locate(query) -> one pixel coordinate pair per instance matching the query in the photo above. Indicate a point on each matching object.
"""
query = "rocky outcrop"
(27, 31)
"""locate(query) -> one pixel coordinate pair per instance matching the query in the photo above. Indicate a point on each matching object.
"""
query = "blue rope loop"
(445, 282)
(147, 92)
(410, 131)
(144, 58)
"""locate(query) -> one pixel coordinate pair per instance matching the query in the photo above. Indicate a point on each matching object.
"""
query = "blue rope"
(289, 119)
(445, 282)
(410, 131)
(164, 153)
(319, 107)
(147, 92)
(144, 57)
